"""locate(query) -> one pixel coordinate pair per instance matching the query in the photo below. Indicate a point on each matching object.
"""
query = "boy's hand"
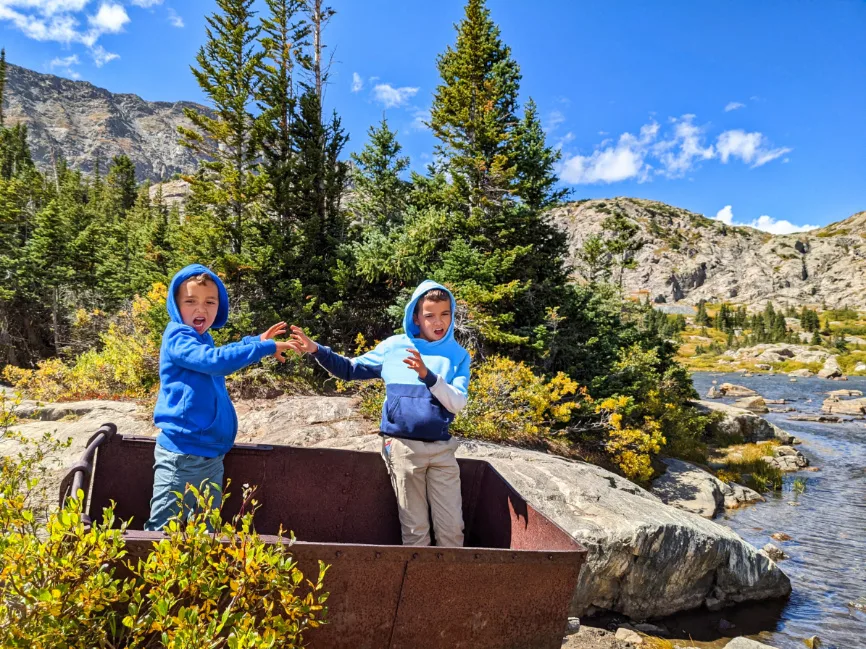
(282, 348)
(278, 329)
(301, 343)
(414, 361)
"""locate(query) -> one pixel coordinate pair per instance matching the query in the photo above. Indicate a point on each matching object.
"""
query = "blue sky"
(754, 112)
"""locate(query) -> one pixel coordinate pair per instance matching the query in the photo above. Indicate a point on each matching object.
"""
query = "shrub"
(66, 584)
(508, 402)
(125, 365)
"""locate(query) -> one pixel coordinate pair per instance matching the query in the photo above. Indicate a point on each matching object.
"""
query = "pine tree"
(381, 195)
(229, 187)
(702, 318)
(48, 259)
(473, 112)
(622, 242)
(534, 163)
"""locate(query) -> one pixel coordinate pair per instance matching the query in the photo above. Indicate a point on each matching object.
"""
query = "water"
(827, 521)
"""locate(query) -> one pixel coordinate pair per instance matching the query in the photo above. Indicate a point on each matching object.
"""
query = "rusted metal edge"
(78, 476)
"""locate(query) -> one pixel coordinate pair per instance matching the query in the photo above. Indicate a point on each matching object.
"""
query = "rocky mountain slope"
(83, 122)
(688, 257)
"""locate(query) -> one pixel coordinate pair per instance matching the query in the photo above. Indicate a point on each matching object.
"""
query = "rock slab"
(645, 559)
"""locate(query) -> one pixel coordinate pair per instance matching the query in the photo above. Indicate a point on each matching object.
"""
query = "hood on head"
(191, 271)
(409, 325)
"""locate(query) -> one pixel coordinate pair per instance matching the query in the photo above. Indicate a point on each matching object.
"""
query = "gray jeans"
(171, 473)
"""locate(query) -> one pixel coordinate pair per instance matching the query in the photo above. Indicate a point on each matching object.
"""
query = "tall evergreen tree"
(535, 163)
(380, 194)
(228, 138)
(473, 112)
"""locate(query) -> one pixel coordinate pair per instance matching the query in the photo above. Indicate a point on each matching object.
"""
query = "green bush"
(66, 584)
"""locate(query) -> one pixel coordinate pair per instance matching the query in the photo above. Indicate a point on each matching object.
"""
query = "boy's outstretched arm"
(451, 395)
(185, 349)
(366, 366)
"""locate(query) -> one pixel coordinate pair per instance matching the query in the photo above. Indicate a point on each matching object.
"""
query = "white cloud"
(65, 62)
(624, 160)
(554, 119)
(751, 148)
(671, 152)
(421, 117)
(65, 21)
(391, 97)
(763, 222)
(174, 18)
(110, 18)
(65, 65)
(679, 154)
(734, 105)
(357, 82)
(101, 56)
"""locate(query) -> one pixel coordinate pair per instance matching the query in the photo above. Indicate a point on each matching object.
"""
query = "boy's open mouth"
(438, 332)
(198, 323)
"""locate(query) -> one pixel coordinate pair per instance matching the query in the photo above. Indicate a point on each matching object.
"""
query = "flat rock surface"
(645, 559)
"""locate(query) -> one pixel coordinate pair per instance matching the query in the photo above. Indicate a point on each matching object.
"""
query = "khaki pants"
(426, 479)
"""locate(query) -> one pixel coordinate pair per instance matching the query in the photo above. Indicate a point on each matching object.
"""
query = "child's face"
(198, 304)
(433, 319)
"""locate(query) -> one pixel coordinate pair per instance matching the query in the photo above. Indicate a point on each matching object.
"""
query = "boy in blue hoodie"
(194, 413)
(426, 374)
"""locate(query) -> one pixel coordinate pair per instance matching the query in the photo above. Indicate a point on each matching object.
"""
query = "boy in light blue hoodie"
(426, 374)
(194, 413)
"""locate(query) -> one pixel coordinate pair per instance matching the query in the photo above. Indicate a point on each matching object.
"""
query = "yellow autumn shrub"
(631, 447)
(509, 402)
(124, 365)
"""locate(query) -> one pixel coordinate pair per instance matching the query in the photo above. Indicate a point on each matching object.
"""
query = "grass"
(744, 464)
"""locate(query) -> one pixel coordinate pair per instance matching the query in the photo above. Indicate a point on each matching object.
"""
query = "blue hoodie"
(193, 410)
(413, 409)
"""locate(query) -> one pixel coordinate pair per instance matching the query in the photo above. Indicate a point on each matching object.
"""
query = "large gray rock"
(752, 404)
(831, 369)
(836, 406)
(732, 390)
(787, 458)
(690, 488)
(84, 123)
(645, 559)
(745, 643)
(687, 257)
(803, 374)
(748, 425)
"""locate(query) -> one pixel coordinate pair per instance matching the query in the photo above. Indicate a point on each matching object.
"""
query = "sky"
(749, 112)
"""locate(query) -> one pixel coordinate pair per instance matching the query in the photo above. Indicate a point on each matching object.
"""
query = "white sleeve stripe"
(448, 395)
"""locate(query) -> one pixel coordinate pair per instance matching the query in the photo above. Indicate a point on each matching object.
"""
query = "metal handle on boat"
(78, 476)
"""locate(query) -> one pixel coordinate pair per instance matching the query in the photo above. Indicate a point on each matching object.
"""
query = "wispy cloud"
(357, 82)
(763, 222)
(670, 152)
(553, 120)
(391, 97)
(734, 105)
(65, 64)
(751, 148)
(420, 119)
(70, 22)
(101, 57)
(174, 19)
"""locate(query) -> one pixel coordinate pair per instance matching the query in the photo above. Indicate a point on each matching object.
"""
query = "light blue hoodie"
(413, 409)
(193, 410)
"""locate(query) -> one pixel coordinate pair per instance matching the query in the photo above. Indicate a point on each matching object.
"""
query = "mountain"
(83, 123)
(688, 257)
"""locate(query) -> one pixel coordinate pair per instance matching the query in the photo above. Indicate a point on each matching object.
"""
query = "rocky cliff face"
(688, 257)
(81, 122)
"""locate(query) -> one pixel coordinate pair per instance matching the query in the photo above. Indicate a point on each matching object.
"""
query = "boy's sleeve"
(186, 350)
(451, 395)
(366, 366)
